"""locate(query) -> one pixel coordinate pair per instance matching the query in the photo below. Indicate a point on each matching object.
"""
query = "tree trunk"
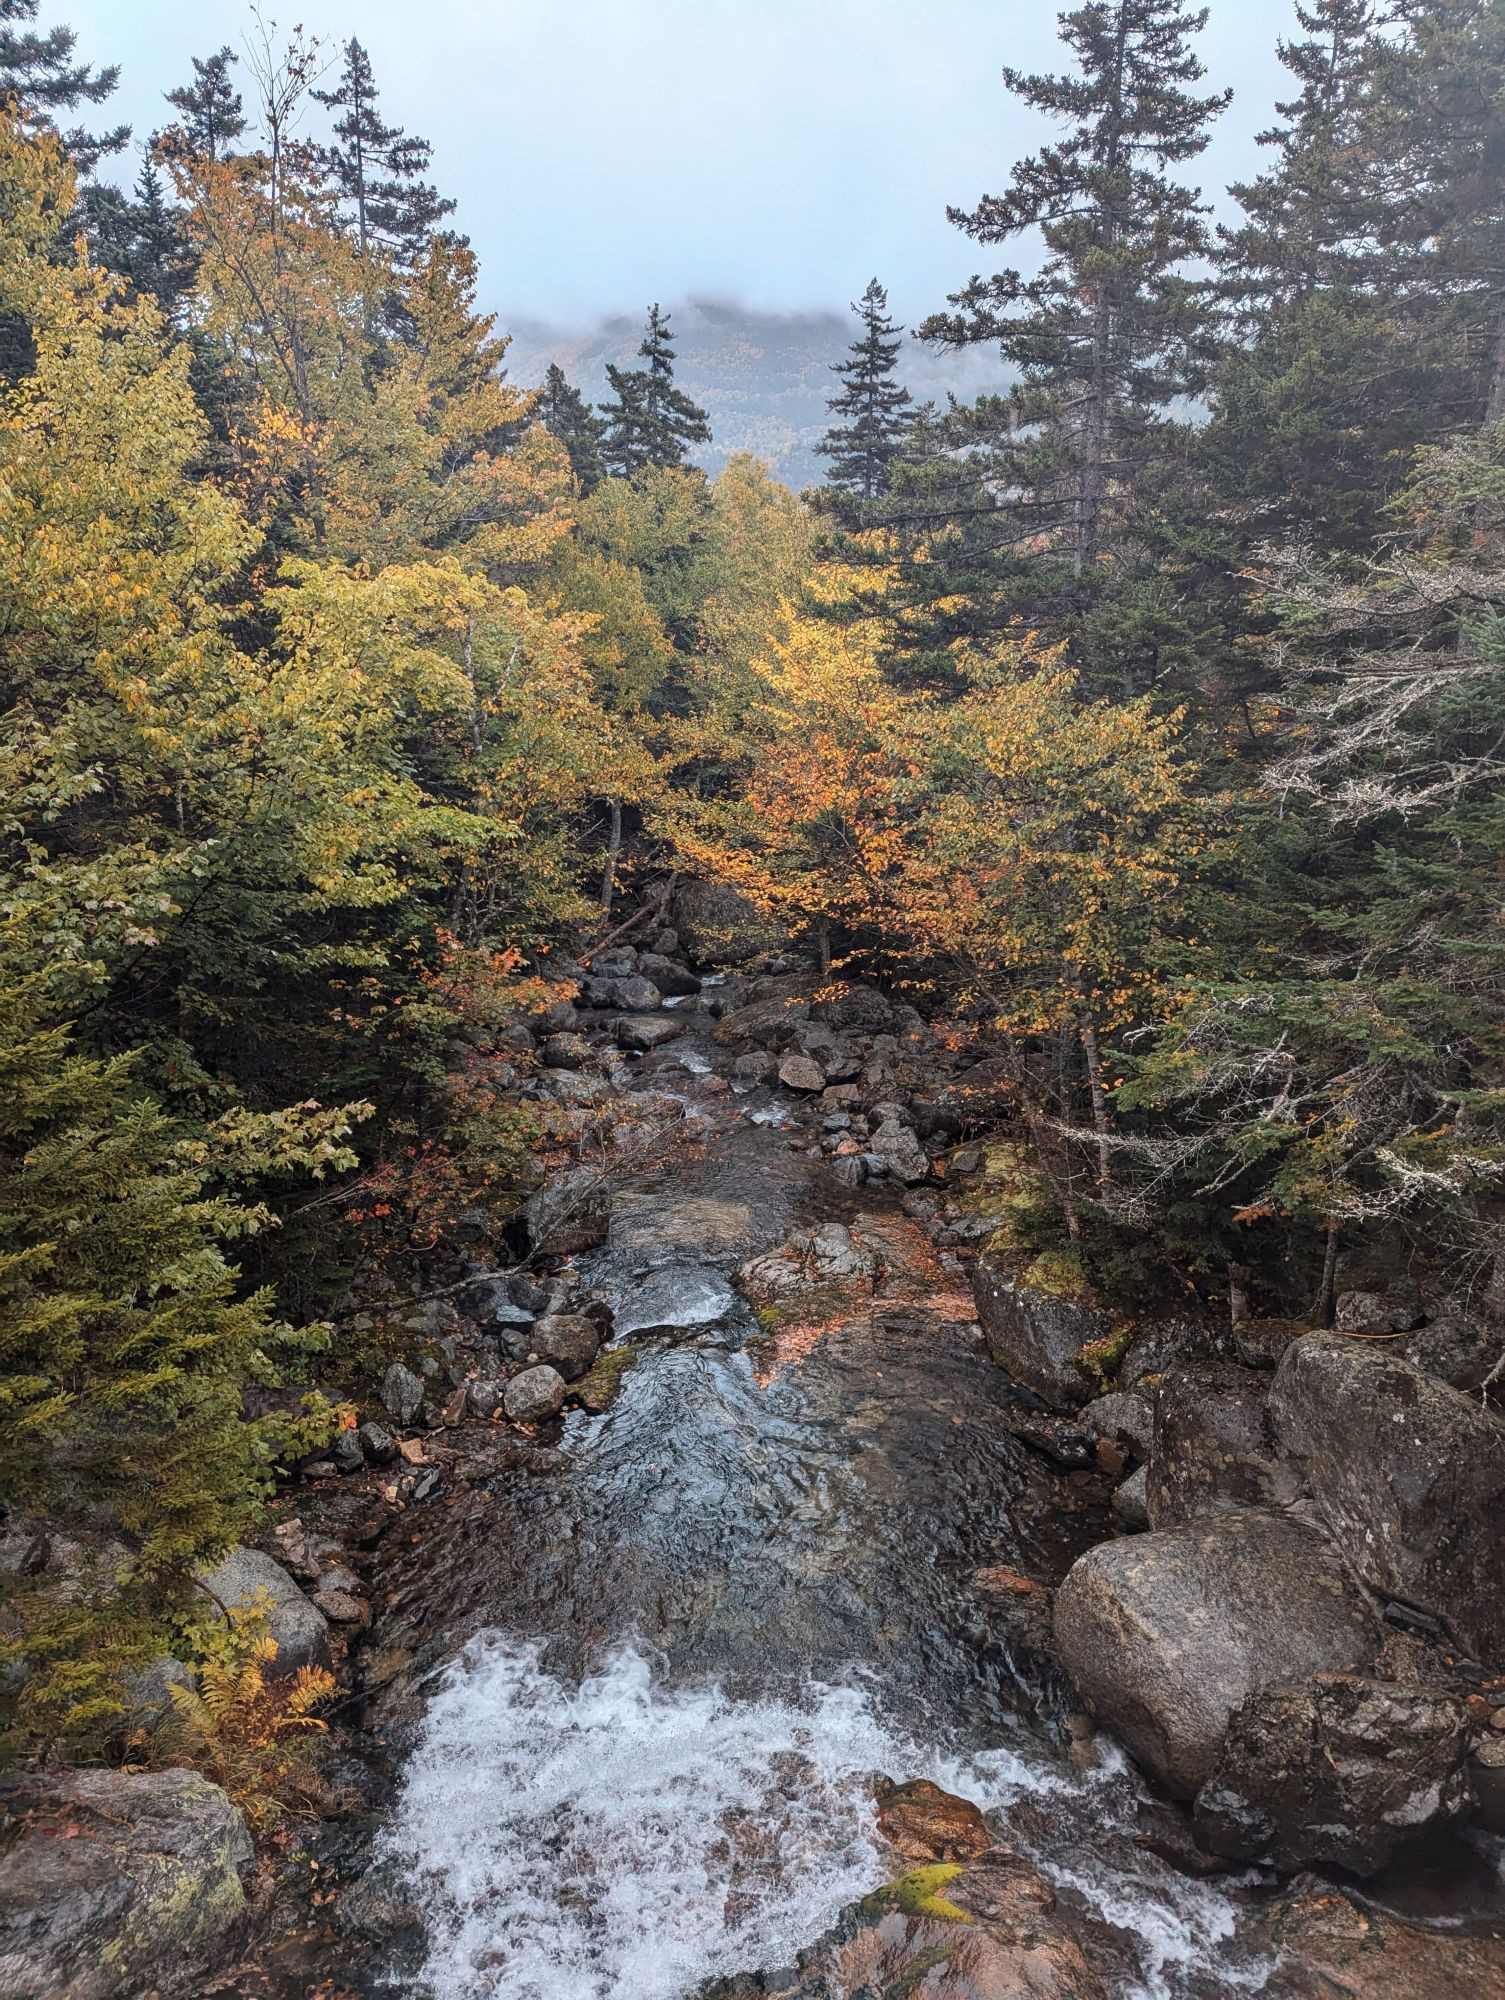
(613, 849)
(1238, 1296)
(1327, 1296)
(823, 945)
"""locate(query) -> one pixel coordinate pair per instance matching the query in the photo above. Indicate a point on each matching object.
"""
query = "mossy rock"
(1100, 1360)
(918, 1894)
(1061, 1274)
(598, 1390)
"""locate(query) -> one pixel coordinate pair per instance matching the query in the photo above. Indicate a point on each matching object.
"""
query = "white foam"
(622, 1841)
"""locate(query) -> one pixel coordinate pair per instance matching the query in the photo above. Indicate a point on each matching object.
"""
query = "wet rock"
(1212, 1445)
(675, 1298)
(648, 1031)
(756, 1067)
(802, 1073)
(1457, 1348)
(900, 1152)
(248, 1582)
(1408, 1477)
(1165, 1634)
(341, 1607)
(1037, 1336)
(378, 1445)
(571, 1214)
(1376, 1312)
(1131, 1502)
(719, 926)
(346, 1451)
(616, 962)
(635, 996)
(566, 1052)
(812, 1260)
(535, 1395)
(117, 1884)
(567, 1341)
(1337, 1770)
(850, 1171)
(677, 980)
(765, 1024)
(1123, 1416)
(920, 1822)
(1057, 1438)
(566, 1086)
(485, 1399)
(402, 1394)
(1329, 1945)
(1486, 1770)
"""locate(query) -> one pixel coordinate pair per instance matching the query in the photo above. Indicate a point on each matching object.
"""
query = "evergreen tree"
(144, 240)
(213, 115)
(377, 169)
(39, 71)
(872, 408)
(1060, 473)
(567, 416)
(651, 422)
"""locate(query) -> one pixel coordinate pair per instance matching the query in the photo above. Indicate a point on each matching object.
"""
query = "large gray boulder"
(643, 1032)
(572, 1213)
(1164, 1635)
(772, 1023)
(567, 1341)
(1212, 1446)
(248, 1582)
(1037, 1336)
(902, 1155)
(535, 1395)
(117, 1883)
(719, 926)
(402, 1394)
(1336, 1771)
(1407, 1476)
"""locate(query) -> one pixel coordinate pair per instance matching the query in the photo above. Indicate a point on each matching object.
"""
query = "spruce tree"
(377, 168)
(567, 416)
(651, 422)
(1108, 337)
(40, 72)
(872, 408)
(213, 115)
(143, 239)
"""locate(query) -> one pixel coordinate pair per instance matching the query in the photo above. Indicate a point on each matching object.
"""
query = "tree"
(377, 169)
(872, 408)
(145, 239)
(566, 415)
(1059, 475)
(212, 112)
(39, 71)
(651, 422)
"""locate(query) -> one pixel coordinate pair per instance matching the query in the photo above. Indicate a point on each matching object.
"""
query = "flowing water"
(668, 1677)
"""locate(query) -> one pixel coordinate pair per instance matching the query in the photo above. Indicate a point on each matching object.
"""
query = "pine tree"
(872, 408)
(651, 422)
(377, 169)
(213, 115)
(567, 416)
(1108, 336)
(40, 72)
(144, 240)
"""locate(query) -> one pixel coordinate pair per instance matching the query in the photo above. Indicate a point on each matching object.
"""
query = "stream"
(660, 1687)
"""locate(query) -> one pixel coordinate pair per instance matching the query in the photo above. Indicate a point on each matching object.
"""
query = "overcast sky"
(609, 152)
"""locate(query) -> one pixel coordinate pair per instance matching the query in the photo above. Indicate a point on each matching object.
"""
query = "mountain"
(763, 377)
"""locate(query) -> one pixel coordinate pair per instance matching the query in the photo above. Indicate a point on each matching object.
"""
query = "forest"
(1138, 730)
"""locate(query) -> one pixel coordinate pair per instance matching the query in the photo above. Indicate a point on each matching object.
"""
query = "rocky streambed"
(724, 1661)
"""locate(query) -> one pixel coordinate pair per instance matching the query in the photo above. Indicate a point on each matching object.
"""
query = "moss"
(599, 1390)
(1100, 1360)
(767, 1318)
(1061, 1273)
(918, 1894)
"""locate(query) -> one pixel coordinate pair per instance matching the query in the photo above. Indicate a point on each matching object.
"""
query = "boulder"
(566, 1051)
(115, 1884)
(1131, 1503)
(148, 1692)
(535, 1395)
(378, 1445)
(485, 1398)
(634, 996)
(803, 1073)
(567, 1341)
(769, 1024)
(571, 1214)
(1376, 1312)
(648, 1031)
(920, 1822)
(861, 1008)
(1457, 1348)
(247, 1581)
(1127, 1418)
(1165, 1634)
(1337, 1771)
(1408, 1477)
(1486, 1772)
(1325, 1944)
(402, 1394)
(1212, 1445)
(1037, 1336)
(719, 926)
(677, 980)
(674, 1299)
(900, 1153)
(756, 1067)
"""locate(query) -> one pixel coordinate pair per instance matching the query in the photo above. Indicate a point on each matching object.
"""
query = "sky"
(605, 153)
